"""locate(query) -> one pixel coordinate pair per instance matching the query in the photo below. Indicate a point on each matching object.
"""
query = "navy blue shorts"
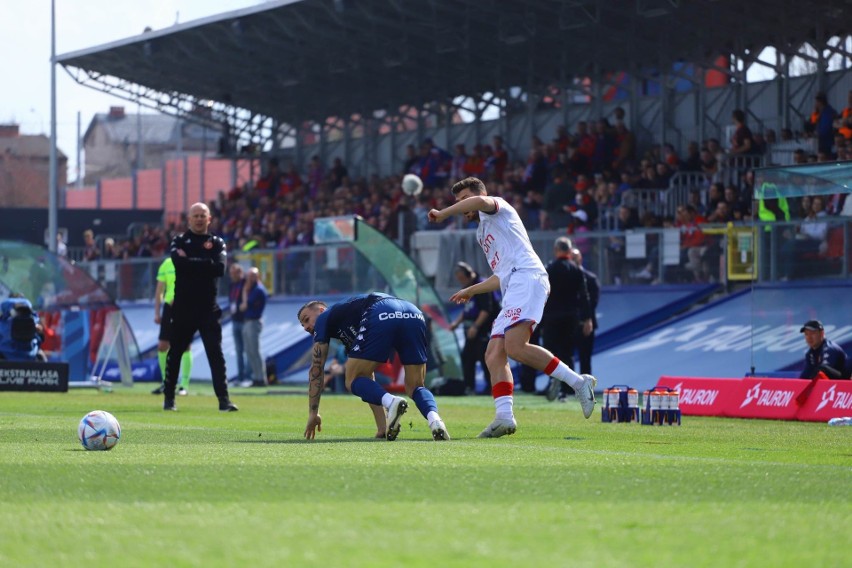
(391, 325)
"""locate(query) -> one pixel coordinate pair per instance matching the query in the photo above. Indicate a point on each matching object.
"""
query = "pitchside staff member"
(567, 308)
(476, 318)
(586, 343)
(823, 356)
(199, 259)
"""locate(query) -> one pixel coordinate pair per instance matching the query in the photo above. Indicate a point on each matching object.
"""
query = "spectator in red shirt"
(693, 243)
(475, 163)
(269, 184)
(500, 158)
(562, 140)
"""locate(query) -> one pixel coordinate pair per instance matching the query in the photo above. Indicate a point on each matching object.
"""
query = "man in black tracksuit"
(586, 343)
(199, 260)
(568, 307)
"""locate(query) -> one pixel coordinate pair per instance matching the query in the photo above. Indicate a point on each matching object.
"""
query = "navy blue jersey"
(372, 326)
(828, 357)
(344, 319)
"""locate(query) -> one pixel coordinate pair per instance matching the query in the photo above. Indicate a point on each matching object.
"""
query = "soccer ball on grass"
(412, 184)
(99, 430)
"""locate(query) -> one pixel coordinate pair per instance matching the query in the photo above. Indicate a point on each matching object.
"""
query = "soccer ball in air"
(99, 430)
(411, 184)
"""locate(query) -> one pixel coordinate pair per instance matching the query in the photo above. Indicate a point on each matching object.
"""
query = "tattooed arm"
(315, 385)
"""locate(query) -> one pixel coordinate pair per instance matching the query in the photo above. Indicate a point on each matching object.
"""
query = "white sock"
(504, 406)
(564, 373)
(387, 399)
(432, 416)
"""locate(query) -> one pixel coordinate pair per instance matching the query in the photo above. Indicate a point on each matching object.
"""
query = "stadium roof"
(295, 60)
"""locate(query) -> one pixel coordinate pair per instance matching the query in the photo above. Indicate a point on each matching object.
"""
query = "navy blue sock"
(424, 400)
(368, 390)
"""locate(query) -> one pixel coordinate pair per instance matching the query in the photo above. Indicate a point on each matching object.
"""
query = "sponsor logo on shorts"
(513, 314)
(400, 315)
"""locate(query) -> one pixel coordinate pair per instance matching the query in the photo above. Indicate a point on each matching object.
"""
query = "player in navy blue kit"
(371, 327)
(199, 260)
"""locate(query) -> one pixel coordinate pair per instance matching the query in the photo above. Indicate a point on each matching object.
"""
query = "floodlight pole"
(51, 189)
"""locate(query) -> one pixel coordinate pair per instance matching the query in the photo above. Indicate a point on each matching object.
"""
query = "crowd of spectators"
(578, 181)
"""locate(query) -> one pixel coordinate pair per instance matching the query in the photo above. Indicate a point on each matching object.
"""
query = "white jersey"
(505, 242)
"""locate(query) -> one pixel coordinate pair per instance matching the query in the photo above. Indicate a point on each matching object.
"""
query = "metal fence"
(640, 257)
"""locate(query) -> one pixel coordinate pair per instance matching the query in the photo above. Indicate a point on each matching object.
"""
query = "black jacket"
(569, 293)
(197, 274)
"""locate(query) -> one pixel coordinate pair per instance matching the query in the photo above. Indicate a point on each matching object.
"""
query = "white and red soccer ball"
(99, 430)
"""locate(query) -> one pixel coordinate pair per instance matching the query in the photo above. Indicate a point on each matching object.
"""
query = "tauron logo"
(696, 397)
(768, 397)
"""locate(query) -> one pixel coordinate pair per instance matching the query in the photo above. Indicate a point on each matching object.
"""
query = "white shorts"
(524, 297)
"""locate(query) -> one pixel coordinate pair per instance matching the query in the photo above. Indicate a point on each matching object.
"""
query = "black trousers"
(184, 326)
(473, 351)
(585, 346)
(557, 335)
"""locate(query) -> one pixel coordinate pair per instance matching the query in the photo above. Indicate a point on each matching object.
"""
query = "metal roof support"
(782, 80)
(394, 157)
(821, 62)
(347, 143)
(597, 93)
(300, 142)
(700, 102)
(634, 98)
(665, 107)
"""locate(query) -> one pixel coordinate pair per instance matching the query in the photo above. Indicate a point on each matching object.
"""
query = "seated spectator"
(694, 200)
(475, 163)
(692, 162)
(709, 164)
(715, 195)
(628, 219)
(693, 243)
(736, 206)
(338, 174)
(499, 159)
(670, 157)
(809, 239)
(111, 251)
(269, 182)
(559, 195)
(722, 213)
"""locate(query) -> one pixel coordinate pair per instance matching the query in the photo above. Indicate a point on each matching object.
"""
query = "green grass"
(203, 488)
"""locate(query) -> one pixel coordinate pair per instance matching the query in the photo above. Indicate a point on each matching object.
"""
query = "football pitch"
(204, 488)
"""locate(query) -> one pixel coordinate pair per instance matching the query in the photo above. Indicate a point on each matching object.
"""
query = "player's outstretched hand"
(435, 216)
(461, 296)
(314, 426)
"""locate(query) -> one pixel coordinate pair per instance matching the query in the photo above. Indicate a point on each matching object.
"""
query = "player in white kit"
(522, 279)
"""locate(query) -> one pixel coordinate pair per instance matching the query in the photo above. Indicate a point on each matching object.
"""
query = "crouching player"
(371, 327)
